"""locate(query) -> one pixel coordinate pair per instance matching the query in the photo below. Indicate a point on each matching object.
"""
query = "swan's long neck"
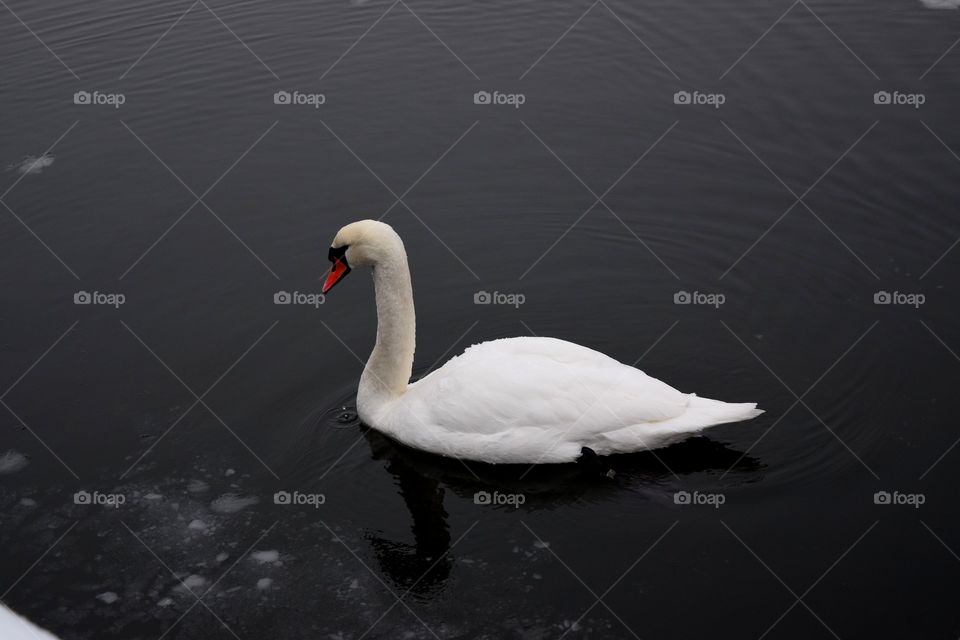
(391, 363)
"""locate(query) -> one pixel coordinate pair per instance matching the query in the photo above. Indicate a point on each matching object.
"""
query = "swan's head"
(364, 243)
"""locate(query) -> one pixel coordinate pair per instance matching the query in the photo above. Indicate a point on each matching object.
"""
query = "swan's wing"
(540, 383)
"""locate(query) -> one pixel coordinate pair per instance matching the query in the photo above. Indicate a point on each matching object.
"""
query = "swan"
(513, 400)
(13, 627)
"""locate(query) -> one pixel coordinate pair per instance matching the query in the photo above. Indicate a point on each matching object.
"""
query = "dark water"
(598, 199)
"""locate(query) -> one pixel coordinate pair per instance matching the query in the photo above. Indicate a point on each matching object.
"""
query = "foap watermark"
(497, 498)
(897, 98)
(697, 498)
(298, 499)
(697, 297)
(298, 98)
(512, 99)
(299, 297)
(899, 298)
(901, 499)
(114, 500)
(715, 100)
(115, 100)
(98, 297)
(498, 297)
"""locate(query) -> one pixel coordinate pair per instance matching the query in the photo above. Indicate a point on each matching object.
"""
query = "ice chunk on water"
(192, 583)
(108, 597)
(194, 580)
(941, 4)
(197, 486)
(13, 627)
(231, 503)
(264, 583)
(34, 164)
(12, 461)
(569, 625)
(198, 525)
(263, 557)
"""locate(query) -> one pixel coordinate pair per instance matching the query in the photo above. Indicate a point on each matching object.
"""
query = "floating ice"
(264, 557)
(570, 625)
(166, 602)
(229, 472)
(12, 461)
(108, 597)
(197, 486)
(941, 4)
(192, 582)
(222, 557)
(231, 503)
(198, 525)
(34, 164)
(13, 627)
(264, 583)
(28, 502)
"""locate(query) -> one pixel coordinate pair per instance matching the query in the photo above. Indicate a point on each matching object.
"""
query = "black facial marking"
(339, 252)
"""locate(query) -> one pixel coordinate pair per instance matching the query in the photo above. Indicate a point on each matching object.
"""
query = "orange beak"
(339, 269)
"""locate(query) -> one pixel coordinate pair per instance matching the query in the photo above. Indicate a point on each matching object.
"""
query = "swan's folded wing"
(541, 383)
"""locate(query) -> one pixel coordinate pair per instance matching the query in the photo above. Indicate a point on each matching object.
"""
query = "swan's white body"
(13, 627)
(515, 400)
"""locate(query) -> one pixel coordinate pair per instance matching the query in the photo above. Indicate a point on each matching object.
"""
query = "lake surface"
(181, 457)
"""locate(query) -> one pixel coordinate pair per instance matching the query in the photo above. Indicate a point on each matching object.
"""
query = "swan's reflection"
(424, 566)
(422, 478)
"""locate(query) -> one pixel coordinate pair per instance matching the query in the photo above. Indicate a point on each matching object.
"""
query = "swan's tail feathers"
(711, 412)
(700, 414)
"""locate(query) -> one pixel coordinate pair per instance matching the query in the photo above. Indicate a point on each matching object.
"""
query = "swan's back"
(529, 390)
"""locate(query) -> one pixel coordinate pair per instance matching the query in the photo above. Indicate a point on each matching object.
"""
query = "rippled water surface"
(800, 161)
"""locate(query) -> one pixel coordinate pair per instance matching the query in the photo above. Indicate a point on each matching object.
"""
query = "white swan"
(514, 400)
(13, 627)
